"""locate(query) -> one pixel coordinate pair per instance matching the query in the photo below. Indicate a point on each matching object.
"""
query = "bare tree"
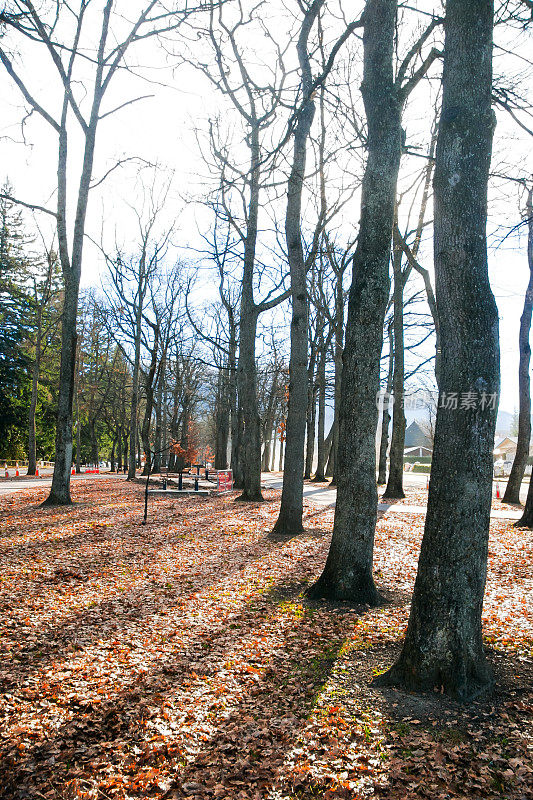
(46, 291)
(443, 648)
(512, 491)
(290, 515)
(130, 280)
(257, 105)
(348, 570)
(84, 74)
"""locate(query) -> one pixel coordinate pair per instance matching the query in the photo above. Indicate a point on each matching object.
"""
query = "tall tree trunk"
(60, 490)
(174, 430)
(112, 464)
(443, 648)
(237, 427)
(339, 342)
(71, 269)
(134, 408)
(311, 433)
(36, 371)
(94, 443)
(291, 509)
(269, 423)
(164, 427)
(348, 571)
(311, 411)
(385, 422)
(147, 419)
(250, 455)
(395, 483)
(158, 438)
(78, 434)
(281, 452)
(222, 420)
(512, 492)
(119, 449)
(184, 438)
(321, 444)
(273, 454)
(126, 443)
(235, 458)
(331, 452)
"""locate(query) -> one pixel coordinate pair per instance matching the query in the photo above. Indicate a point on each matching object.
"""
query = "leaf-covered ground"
(180, 659)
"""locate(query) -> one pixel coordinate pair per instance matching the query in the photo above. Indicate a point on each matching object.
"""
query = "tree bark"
(443, 648)
(134, 407)
(60, 490)
(94, 443)
(250, 456)
(71, 268)
(311, 410)
(273, 454)
(512, 491)
(385, 422)
(222, 419)
(291, 510)
(339, 346)
(311, 436)
(149, 392)
(348, 571)
(320, 476)
(36, 370)
(394, 487)
(158, 438)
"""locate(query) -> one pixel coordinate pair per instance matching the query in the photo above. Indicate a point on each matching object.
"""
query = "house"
(505, 449)
(417, 443)
(418, 451)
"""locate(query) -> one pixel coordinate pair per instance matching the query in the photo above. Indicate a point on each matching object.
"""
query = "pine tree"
(14, 298)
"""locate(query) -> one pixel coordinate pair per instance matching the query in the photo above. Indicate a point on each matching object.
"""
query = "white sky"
(162, 129)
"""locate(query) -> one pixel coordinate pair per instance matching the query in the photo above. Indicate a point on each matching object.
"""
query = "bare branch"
(31, 206)
(27, 96)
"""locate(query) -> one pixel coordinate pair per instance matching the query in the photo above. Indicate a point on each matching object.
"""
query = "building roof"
(415, 437)
(506, 440)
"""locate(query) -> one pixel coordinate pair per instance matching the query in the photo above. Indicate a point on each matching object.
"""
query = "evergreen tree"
(14, 275)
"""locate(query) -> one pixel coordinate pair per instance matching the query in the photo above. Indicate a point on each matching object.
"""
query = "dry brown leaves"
(181, 660)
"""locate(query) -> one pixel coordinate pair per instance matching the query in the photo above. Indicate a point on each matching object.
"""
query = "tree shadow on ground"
(255, 706)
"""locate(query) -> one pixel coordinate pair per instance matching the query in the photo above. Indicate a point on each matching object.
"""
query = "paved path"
(321, 495)
(325, 496)
(8, 487)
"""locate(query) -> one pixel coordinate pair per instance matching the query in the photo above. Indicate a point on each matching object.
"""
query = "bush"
(426, 468)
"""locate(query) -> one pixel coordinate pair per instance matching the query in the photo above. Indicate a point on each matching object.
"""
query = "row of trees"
(284, 172)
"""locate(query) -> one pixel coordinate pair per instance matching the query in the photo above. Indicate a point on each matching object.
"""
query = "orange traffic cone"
(73, 470)
(17, 473)
(497, 491)
(37, 472)
(427, 482)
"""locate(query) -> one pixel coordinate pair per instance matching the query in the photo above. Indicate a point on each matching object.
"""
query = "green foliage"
(13, 327)
(425, 468)
(30, 308)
